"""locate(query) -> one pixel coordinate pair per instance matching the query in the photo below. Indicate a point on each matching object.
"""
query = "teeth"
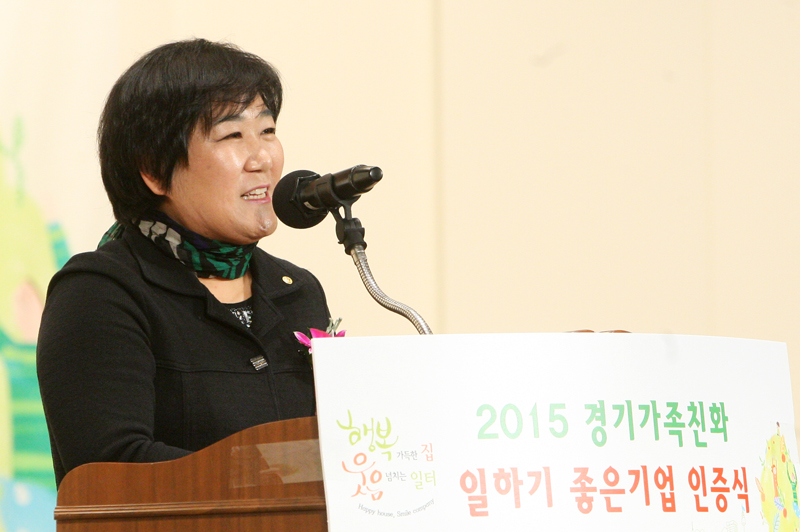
(258, 193)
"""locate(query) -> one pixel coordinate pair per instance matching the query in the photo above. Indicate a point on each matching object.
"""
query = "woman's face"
(225, 191)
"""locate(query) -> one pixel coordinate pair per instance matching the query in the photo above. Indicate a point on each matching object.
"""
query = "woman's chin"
(262, 231)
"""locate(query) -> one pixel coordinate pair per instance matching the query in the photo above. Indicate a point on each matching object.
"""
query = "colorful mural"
(778, 487)
(32, 251)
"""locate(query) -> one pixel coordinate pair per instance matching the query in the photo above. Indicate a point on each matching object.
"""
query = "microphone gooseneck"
(303, 199)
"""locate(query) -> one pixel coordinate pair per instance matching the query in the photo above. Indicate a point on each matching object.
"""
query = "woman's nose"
(260, 157)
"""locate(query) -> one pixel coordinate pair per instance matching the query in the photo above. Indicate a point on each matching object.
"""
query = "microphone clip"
(349, 230)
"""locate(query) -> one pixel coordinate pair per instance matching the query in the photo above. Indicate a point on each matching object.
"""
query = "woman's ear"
(153, 184)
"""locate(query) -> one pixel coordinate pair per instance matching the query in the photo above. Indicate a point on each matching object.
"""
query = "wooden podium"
(266, 478)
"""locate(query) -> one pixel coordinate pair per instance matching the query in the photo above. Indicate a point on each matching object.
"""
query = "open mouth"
(255, 194)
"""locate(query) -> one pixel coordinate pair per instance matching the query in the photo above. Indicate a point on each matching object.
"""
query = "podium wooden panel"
(266, 478)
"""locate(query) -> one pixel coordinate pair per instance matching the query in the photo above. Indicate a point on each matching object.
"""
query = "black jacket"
(138, 362)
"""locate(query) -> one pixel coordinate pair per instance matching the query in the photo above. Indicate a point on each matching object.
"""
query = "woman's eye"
(235, 135)
(269, 131)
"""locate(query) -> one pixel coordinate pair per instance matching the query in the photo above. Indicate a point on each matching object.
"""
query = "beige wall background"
(548, 165)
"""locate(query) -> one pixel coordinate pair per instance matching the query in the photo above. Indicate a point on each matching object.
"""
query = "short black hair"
(155, 106)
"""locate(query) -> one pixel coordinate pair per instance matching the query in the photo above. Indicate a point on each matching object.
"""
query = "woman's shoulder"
(93, 288)
(114, 259)
(115, 267)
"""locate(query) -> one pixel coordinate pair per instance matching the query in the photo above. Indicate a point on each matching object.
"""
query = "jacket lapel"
(270, 281)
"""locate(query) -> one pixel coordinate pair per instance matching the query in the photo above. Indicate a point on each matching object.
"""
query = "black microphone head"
(289, 209)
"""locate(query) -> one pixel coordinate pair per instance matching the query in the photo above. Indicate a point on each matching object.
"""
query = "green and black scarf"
(206, 257)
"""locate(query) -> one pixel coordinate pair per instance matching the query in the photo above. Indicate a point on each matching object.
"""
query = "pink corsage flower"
(329, 332)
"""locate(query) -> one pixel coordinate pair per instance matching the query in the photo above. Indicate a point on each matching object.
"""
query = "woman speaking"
(178, 331)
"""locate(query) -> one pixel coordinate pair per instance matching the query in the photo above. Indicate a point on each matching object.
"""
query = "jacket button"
(287, 279)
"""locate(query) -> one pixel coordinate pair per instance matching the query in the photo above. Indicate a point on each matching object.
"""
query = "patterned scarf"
(206, 257)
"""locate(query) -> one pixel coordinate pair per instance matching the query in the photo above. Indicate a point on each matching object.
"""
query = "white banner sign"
(556, 432)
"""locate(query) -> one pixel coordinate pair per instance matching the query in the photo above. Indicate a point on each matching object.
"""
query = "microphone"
(302, 198)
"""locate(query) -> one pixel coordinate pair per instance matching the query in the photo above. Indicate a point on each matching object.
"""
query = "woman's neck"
(229, 290)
